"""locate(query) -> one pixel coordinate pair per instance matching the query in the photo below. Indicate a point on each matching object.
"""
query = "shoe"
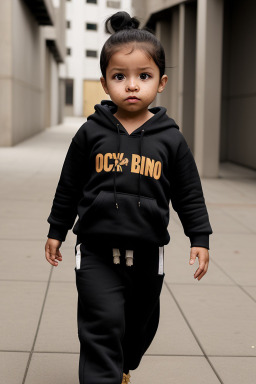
(126, 378)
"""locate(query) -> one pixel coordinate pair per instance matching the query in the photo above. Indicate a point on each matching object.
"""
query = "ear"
(104, 84)
(162, 83)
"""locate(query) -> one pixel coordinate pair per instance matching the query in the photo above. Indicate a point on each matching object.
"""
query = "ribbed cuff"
(199, 240)
(58, 233)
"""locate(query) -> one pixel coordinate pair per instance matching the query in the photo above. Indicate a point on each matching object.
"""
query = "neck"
(132, 118)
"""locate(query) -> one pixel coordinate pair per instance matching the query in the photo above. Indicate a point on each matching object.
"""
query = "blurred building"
(211, 64)
(85, 36)
(32, 45)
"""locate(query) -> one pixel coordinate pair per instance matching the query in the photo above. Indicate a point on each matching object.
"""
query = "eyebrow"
(141, 69)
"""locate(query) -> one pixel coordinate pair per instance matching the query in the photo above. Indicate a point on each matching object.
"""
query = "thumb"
(193, 254)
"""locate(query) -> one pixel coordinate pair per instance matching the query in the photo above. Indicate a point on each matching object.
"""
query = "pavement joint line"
(30, 240)
(58, 352)
(206, 284)
(20, 200)
(247, 293)
(13, 350)
(63, 281)
(146, 354)
(223, 271)
(171, 284)
(189, 355)
(37, 330)
(235, 283)
(231, 205)
(27, 281)
(20, 239)
(193, 333)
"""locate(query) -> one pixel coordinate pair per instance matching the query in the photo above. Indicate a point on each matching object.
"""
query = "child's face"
(132, 80)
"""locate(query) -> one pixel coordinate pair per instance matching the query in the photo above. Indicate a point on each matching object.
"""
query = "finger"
(47, 253)
(200, 269)
(201, 275)
(51, 260)
(51, 256)
(201, 272)
(58, 255)
(193, 254)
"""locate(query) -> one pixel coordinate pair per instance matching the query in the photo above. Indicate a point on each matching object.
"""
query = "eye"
(144, 76)
(118, 76)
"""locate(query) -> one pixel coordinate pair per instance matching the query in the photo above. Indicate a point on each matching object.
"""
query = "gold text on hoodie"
(139, 164)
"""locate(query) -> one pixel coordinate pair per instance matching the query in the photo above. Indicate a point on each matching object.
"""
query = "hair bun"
(120, 21)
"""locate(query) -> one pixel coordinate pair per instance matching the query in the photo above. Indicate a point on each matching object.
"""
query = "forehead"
(130, 57)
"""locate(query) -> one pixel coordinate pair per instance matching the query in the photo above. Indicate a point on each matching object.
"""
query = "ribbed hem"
(58, 233)
(199, 240)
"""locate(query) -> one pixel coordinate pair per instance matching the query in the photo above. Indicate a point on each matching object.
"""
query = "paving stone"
(173, 336)
(23, 260)
(235, 369)
(12, 367)
(58, 329)
(52, 368)
(222, 317)
(174, 369)
(21, 304)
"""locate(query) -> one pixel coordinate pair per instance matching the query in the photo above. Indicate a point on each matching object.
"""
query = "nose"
(132, 85)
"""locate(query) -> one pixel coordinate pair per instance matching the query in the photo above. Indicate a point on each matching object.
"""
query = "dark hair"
(125, 30)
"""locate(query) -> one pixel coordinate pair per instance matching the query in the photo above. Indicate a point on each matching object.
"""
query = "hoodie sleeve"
(187, 197)
(68, 192)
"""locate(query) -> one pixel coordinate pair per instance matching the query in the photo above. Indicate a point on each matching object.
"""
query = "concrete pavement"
(207, 330)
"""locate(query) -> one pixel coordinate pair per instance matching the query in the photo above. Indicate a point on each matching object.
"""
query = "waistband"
(117, 254)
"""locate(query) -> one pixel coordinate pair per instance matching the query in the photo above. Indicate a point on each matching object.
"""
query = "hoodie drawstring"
(116, 252)
(141, 138)
(116, 163)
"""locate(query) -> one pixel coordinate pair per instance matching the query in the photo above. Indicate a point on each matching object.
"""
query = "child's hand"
(52, 251)
(203, 256)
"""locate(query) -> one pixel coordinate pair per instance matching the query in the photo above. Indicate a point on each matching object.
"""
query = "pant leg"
(142, 308)
(118, 312)
(101, 320)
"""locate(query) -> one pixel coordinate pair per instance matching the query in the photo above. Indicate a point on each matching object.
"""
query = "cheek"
(153, 88)
(116, 89)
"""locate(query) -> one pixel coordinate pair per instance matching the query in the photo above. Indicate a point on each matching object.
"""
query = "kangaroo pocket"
(129, 225)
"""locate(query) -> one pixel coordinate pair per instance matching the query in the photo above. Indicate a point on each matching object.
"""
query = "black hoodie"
(120, 185)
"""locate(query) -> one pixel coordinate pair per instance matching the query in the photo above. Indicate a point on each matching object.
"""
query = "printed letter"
(107, 167)
(142, 164)
(149, 168)
(99, 162)
(157, 170)
(135, 167)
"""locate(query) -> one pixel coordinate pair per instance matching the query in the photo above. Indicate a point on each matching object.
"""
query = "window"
(68, 24)
(90, 53)
(69, 91)
(68, 51)
(114, 4)
(91, 1)
(91, 27)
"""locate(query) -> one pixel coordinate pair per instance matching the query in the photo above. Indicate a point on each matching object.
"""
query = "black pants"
(118, 310)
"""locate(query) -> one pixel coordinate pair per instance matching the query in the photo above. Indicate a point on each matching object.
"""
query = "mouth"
(132, 99)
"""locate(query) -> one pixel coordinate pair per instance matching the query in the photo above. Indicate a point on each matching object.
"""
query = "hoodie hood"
(104, 113)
